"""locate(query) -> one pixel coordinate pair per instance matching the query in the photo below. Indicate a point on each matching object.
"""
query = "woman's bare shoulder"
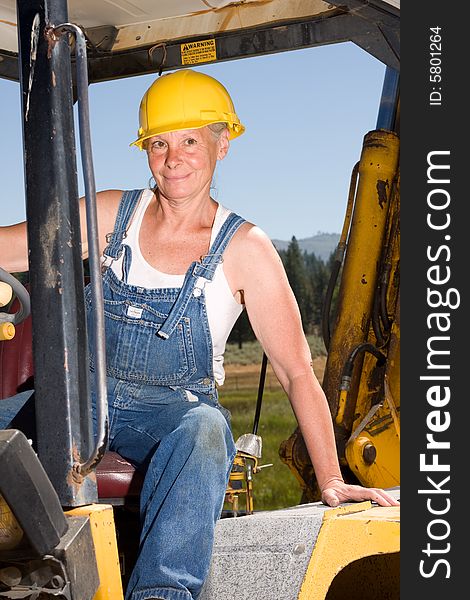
(107, 199)
(107, 204)
(251, 256)
(252, 241)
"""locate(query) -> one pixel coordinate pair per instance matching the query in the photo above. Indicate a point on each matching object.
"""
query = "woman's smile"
(176, 178)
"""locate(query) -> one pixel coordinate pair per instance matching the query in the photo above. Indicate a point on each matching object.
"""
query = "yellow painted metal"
(107, 557)
(377, 406)
(350, 538)
(5, 293)
(383, 472)
(7, 331)
(381, 425)
(371, 405)
(377, 171)
(243, 468)
(11, 533)
(342, 403)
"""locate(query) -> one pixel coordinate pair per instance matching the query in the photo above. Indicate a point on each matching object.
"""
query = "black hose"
(387, 269)
(361, 348)
(339, 257)
(381, 323)
(259, 400)
(325, 321)
(383, 309)
(376, 326)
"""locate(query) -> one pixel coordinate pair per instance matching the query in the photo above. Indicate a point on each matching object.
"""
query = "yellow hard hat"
(185, 99)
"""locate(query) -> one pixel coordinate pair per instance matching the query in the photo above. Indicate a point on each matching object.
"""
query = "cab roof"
(129, 38)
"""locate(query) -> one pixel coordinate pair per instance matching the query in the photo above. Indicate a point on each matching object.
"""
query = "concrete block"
(263, 556)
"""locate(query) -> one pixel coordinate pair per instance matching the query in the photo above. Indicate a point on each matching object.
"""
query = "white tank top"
(222, 308)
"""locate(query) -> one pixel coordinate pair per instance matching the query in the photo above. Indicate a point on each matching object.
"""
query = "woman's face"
(183, 162)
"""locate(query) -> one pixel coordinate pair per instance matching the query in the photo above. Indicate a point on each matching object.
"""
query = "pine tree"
(297, 275)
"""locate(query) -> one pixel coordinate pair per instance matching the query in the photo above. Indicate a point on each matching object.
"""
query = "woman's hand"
(336, 491)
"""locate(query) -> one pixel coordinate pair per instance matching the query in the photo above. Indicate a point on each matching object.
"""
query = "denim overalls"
(164, 414)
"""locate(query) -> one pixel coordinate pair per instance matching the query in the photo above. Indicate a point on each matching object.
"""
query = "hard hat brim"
(235, 130)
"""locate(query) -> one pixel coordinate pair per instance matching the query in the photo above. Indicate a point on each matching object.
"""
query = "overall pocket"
(134, 351)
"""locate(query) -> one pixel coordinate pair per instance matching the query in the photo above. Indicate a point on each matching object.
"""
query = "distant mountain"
(322, 244)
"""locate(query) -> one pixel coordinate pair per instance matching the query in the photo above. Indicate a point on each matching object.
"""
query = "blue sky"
(306, 113)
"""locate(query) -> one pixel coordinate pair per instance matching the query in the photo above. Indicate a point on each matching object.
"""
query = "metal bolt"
(369, 453)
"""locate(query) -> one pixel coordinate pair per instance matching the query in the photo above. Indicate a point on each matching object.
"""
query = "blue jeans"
(186, 448)
(17, 412)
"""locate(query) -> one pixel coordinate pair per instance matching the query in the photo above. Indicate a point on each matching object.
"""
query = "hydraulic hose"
(349, 365)
(383, 309)
(347, 374)
(338, 259)
(97, 453)
(379, 335)
(380, 320)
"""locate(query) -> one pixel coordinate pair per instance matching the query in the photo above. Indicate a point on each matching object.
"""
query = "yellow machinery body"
(365, 399)
(356, 555)
(106, 550)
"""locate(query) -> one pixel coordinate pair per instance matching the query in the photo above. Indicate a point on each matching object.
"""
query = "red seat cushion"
(16, 362)
(117, 478)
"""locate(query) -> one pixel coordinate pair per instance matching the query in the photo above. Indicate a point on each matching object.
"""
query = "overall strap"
(127, 206)
(206, 268)
(200, 273)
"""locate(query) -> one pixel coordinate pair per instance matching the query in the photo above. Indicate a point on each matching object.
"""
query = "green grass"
(251, 352)
(274, 487)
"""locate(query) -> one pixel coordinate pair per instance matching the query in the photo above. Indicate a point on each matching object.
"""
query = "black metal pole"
(259, 399)
(63, 416)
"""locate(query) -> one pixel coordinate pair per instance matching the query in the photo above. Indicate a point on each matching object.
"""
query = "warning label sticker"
(193, 53)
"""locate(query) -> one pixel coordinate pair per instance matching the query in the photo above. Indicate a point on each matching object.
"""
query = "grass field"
(276, 486)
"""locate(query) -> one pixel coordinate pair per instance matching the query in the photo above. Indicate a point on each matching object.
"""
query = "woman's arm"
(14, 248)
(255, 268)
(14, 238)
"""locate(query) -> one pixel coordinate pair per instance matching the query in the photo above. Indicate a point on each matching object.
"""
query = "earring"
(152, 186)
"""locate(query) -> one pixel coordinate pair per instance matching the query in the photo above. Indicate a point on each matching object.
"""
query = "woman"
(180, 269)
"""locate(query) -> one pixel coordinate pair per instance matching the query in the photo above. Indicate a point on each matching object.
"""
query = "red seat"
(16, 362)
(117, 479)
